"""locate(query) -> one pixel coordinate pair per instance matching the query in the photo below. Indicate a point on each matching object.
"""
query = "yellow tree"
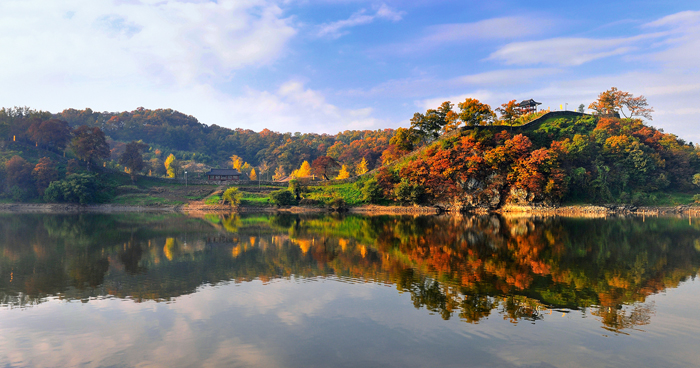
(171, 166)
(279, 173)
(303, 171)
(236, 162)
(245, 168)
(253, 175)
(343, 174)
(361, 168)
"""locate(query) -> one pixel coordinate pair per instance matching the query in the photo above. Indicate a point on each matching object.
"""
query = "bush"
(406, 192)
(371, 191)
(338, 204)
(696, 198)
(297, 188)
(309, 202)
(75, 188)
(282, 197)
(19, 194)
(232, 196)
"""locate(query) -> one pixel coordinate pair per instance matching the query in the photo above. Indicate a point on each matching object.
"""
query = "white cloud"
(118, 56)
(565, 51)
(494, 29)
(294, 107)
(168, 42)
(337, 29)
(488, 29)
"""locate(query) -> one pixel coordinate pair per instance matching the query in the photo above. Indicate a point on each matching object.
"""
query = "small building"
(223, 175)
(528, 106)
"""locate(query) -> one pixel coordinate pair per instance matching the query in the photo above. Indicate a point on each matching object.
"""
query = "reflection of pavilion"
(528, 106)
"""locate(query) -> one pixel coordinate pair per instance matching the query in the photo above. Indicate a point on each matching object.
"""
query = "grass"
(213, 200)
(671, 199)
(349, 192)
(255, 199)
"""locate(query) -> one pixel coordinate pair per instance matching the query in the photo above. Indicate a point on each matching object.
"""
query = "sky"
(327, 66)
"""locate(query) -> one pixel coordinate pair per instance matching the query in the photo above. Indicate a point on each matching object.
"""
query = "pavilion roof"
(529, 102)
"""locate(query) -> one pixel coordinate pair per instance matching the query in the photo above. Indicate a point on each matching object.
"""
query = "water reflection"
(473, 267)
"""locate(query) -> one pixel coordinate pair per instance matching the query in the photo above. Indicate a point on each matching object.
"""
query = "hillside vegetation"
(464, 157)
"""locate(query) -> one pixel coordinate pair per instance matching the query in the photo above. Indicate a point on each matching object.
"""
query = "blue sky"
(328, 66)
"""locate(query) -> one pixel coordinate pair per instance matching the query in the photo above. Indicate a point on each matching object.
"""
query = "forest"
(456, 156)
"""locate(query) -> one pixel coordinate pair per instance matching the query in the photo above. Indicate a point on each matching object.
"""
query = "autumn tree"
(237, 162)
(172, 166)
(361, 168)
(279, 173)
(44, 173)
(89, 144)
(132, 158)
(344, 173)
(474, 113)
(253, 175)
(263, 168)
(430, 124)
(18, 172)
(509, 111)
(324, 166)
(51, 133)
(615, 101)
(303, 171)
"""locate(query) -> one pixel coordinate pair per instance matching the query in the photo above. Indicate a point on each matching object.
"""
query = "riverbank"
(199, 207)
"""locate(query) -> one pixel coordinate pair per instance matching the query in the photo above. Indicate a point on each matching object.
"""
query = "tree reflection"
(471, 267)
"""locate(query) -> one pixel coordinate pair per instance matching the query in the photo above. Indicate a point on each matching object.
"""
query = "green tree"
(371, 191)
(430, 124)
(89, 144)
(282, 197)
(405, 139)
(75, 188)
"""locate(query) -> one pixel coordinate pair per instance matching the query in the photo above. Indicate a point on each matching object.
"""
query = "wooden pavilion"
(528, 106)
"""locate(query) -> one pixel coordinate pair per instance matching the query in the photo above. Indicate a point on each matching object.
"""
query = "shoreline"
(508, 210)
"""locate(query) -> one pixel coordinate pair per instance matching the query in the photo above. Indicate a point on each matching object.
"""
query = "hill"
(458, 159)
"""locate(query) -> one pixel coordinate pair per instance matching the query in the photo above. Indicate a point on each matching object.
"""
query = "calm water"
(329, 291)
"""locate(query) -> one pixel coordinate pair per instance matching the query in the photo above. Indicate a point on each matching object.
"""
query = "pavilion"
(528, 106)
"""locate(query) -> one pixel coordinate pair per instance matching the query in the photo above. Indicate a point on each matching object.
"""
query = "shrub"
(75, 188)
(406, 192)
(371, 191)
(19, 194)
(282, 197)
(696, 198)
(232, 196)
(338, 204)
(309, 202)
